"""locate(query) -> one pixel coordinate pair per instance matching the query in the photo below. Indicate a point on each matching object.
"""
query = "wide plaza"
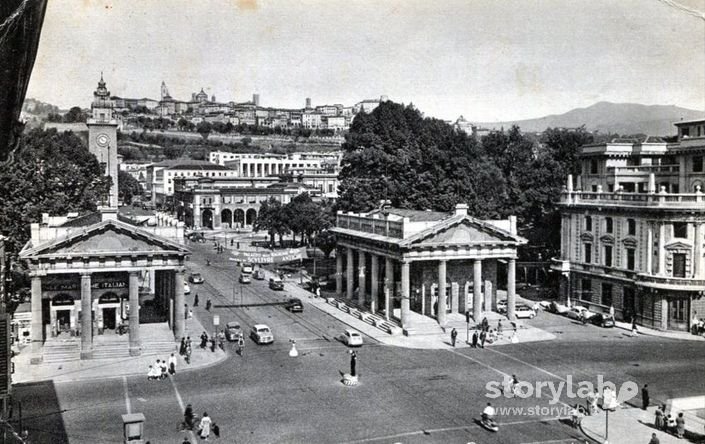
(431, 395)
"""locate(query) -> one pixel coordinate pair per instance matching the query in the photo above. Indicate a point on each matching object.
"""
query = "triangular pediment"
(678, 245)
(106, 237)
(463, 230)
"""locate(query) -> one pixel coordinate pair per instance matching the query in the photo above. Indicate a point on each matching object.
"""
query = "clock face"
(103, 139)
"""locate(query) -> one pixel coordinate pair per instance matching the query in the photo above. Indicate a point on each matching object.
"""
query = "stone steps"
(369, 318)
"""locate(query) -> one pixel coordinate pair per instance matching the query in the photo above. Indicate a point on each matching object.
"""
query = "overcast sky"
(486, 59)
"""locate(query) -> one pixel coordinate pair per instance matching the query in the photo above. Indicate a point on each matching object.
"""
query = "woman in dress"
(680, 425)
(658, 420)
(205, 426)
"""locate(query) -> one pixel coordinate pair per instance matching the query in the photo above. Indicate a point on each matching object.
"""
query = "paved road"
(405, 395)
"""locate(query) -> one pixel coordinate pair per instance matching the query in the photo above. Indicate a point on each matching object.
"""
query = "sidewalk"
(678, 335)
(525, 333)
(634, 425)
(113, 368)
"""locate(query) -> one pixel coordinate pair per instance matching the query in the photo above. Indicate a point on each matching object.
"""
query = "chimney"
(461, 209)
(308, 103)
(255, 99)
(513, 224)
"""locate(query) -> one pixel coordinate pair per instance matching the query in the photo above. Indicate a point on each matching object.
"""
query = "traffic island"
(350, 380)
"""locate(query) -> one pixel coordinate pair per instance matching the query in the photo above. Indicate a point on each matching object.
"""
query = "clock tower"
(102, 138)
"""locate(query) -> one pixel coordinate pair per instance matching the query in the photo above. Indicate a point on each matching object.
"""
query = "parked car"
(522, 311)
(259, 275)
(555, 307)
(294, 305)
(276, 284)
(247, 268)
(601, 320)
(187, 288)
(232, 331)
(244, 278)
(261, 334)
(196, 278)
(577, 311)
(352, 338)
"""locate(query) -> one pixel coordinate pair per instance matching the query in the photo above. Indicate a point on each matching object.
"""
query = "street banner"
(269, 256)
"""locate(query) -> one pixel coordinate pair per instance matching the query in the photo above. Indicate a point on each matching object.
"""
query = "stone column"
(338, 273)
(178, 304)
(152, 278)
(664, 312)
(361, 278)
(374, 282)
(37, 327)
(405, 319)
(477, 290)
(662, 249)
(133, 291)
(349, 275)
(490, 304)
(698, 251)
(441, 316)
(388, 286)
(511, 288)
(86, 317)
(649, 248)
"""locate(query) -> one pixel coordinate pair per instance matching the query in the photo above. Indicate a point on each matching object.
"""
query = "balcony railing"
(665, 200)
(372, 225)
(644, 170)
(667, 282)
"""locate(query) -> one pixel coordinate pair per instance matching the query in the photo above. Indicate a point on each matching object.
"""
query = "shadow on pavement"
(41, 412)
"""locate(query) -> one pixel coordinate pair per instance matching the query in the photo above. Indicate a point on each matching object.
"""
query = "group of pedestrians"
(668, 423)
(205, 426)
(185, 349)
(162, 369)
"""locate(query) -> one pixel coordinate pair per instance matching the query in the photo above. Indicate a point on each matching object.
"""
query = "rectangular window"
(588, 253)
(680, 230)
(606, 296)
(594, 188)
(593, 166)
(588, 223)
(679, 265)
(609, 225)
(631, 227)
(608, 255)
(585, 289)
(630, 259)
(678, 310)
(698, 164)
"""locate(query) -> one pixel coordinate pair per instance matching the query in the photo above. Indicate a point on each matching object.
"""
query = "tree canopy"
(51, 173)
(128, 187)
(397, 154)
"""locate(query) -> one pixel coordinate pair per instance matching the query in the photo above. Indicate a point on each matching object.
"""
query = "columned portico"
(433, 255)
(338, 273)
(179, 304)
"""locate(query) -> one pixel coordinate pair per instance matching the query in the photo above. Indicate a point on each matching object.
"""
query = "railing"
(372, 225)
(673, 282)
(680, 200)
(644, 169)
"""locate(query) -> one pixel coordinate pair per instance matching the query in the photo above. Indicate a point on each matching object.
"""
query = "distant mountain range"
(607, 117)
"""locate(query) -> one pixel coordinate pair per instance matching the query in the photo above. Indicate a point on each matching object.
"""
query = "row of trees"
(74, 115)
(301, 217)
(424, 163)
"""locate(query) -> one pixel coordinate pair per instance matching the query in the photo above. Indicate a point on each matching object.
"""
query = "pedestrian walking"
(634, 329)
(190, 314)
(499, 328)
(182, 347)
(453, 336)
(658, 418)
(514, 385)
(612, 312)
(208, 305)
(213, 343)
(483, 337)
(204, 340)
(172, 364)
(187, 358)
(654, 439)
(485, 324)
(474, 339)
(185, 312)
(353, 363)
(645, 397)
(205, 426)
(665, 419)
(680, 425)
(195, 300)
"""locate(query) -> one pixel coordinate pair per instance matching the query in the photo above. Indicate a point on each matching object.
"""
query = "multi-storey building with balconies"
(633, 228)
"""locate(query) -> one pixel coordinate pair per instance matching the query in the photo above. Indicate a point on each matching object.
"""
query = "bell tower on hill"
(102, 138)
